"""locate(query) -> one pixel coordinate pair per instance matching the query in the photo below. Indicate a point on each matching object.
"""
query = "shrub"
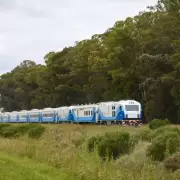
(112, 145)
(9, 131)
(92, 142)
(36, 132)
(156, 123)
(164, 145)
(162, 130)
(23, 129)
(173, 162)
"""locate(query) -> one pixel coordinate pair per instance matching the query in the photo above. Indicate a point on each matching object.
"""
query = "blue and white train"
(115, 112)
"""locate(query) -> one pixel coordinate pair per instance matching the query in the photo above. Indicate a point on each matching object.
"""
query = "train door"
(96, 114)
(113, 111)
(77, 114)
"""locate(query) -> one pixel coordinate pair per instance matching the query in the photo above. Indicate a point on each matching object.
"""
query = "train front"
(132, 112)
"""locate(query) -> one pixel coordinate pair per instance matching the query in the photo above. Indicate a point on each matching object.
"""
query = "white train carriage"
(34, 116)
(84, 113)
(108, 111)
(63, 114)
(48, 115)
(23, 116)
(5, 117)
(13, 117)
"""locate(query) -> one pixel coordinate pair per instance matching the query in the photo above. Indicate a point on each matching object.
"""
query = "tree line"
(138, 58)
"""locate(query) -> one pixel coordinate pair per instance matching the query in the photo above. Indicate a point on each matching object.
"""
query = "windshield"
(132, 107)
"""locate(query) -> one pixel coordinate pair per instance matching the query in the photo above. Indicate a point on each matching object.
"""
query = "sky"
(29, 29)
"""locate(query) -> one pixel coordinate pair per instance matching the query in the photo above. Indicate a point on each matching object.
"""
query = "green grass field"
(16, 168)
(61, 153)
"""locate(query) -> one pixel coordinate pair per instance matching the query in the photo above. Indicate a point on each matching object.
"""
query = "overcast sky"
(31, 28)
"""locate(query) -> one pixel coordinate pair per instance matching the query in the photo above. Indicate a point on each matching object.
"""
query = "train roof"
(5, 113)
(34, 110)
(123, 102)
(48, 109)
(128, 102)
(108, 102)
(61, 107)
(83, 106)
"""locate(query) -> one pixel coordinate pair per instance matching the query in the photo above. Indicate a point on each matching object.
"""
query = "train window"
(132, 107)
(113, 113)
(120, 108)
(77, 112)
(113, 107)
(47, 114)
(5, 117)
(22, 116)
(34, 115)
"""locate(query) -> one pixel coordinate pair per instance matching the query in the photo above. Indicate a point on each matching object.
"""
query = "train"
(111, 112)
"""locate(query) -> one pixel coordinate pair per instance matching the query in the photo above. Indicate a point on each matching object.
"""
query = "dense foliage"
(173, 162)
(112, 145)
(164, 145)
(135, 59)
(34, 131)
(156, 123)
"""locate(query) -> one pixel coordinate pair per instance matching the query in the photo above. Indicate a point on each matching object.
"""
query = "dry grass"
(58, 147)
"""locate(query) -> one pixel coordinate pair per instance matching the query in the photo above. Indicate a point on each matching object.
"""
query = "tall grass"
(65, 147)
(12, 167)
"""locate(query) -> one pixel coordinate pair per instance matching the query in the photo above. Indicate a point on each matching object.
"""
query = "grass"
(63, 147)
(15, 168)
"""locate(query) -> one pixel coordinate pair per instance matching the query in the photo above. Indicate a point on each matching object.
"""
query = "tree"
(137, 58)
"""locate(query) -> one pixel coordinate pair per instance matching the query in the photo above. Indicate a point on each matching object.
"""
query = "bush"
(173, 162)
(23, 129)
(9, 131)
(162, 130)
(164, 145)
(93, 142)
(36, 132)
(156, 123)
(112, 145)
